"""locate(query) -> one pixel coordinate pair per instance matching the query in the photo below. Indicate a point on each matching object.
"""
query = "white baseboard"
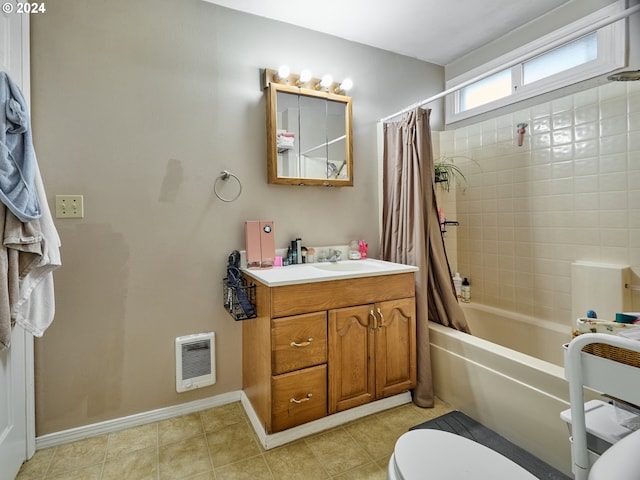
(109, 426)
(273, 440)
(268, 441)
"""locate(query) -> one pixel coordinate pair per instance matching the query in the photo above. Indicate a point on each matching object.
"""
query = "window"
(485, 91)
(556, 65)
(570, 55)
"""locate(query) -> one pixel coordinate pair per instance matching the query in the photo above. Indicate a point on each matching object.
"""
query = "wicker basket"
(617, 354)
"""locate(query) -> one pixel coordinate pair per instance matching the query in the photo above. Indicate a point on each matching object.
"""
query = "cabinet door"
(395, 347)
(351, 343)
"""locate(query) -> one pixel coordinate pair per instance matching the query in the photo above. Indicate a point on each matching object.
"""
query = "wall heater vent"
(195, 361)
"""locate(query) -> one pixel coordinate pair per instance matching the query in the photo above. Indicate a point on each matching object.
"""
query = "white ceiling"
(437, 31)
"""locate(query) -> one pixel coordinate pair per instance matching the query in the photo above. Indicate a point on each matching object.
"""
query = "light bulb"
(283, 72)
(305, 75)
(346, 85)
(326, 81)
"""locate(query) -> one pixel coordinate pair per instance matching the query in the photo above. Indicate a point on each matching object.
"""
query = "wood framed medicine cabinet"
(308, 134)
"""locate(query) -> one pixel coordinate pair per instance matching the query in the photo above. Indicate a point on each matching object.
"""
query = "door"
(13, 425)
(351, 343)
(395, 347)
(17, 431)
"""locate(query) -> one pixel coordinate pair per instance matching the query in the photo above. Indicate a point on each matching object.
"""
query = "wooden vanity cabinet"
(320, 348)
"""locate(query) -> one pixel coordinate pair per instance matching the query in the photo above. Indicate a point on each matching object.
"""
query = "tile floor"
(220, 444)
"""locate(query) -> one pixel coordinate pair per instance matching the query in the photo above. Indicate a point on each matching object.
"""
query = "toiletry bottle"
(457, 282)
(465, 290)
(294, 252)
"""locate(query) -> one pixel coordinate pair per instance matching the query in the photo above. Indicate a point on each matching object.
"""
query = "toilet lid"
(621, 461)
(427, 453)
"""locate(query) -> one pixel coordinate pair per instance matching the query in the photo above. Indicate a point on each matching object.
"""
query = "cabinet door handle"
(375, 321)
(301, 344)
(381, 319)
(302, 400)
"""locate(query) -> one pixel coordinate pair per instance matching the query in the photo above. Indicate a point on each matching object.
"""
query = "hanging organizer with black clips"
(239, 297)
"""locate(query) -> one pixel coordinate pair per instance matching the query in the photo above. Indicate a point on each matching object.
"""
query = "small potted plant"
(446, 172)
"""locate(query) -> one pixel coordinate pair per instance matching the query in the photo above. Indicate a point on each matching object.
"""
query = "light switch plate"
(69, 206)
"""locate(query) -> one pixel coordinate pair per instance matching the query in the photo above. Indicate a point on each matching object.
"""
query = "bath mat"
(460, 424)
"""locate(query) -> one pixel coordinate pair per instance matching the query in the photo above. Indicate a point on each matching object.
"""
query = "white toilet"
(435, 454)
(621, 461)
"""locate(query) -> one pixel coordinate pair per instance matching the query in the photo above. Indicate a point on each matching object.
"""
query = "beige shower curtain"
(411, 233)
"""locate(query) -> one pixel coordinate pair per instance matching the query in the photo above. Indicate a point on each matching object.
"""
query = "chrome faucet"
(336, 256)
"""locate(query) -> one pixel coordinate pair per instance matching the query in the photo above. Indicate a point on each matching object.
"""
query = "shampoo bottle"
(457, 282)
(466, 290)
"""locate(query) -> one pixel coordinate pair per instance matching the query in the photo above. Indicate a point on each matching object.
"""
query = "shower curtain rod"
(561, 41)
(325, 144)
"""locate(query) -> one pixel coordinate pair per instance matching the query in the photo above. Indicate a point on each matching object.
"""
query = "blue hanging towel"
(17, 156)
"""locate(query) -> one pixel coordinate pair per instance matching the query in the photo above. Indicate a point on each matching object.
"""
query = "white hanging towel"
(35, 308)
(29, 254)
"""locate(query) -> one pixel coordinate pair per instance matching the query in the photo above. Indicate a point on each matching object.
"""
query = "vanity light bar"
(305, 79)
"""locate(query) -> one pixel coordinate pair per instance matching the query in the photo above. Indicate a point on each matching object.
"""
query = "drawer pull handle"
(305, 399)
(375, 321)
(381, 320)
(302, 344)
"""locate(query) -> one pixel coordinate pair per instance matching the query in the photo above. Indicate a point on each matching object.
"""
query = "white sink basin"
(343, 266)
(322, 272)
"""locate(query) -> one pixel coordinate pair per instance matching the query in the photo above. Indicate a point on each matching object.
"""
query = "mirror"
(308, 137)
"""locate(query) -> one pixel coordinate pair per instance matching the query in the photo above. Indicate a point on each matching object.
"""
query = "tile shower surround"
(571, 192)
(220, 444)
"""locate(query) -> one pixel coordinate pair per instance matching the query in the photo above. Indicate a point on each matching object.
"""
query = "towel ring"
(224, 176)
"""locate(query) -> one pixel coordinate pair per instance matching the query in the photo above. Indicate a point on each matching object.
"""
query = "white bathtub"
(518, 395)
(529, 335)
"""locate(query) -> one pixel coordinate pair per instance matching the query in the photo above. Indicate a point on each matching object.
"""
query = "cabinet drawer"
(299, 397)
(315, 297)
(298, 342)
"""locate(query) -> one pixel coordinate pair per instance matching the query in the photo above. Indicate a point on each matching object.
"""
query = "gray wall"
(138, 106)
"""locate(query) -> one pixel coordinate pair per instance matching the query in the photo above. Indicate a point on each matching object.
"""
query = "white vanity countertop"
(324, 272)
